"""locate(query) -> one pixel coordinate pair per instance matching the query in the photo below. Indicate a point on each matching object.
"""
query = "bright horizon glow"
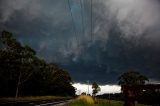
(104, 88)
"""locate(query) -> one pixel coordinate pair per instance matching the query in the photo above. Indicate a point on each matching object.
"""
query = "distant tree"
(95, 88)
(132, 78)
(83, 93)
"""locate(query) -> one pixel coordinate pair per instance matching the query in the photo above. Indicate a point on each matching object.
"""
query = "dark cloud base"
(120, 55)
(125, 35)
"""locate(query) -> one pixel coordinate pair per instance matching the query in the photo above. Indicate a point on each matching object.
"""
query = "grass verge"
(86, 101)
(32, 98)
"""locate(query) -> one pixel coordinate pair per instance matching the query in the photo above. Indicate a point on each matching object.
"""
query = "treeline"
(116, 96)
(147, 97)
(22, 73)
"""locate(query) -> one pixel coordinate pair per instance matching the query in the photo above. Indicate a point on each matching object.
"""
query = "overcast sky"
(120, 35)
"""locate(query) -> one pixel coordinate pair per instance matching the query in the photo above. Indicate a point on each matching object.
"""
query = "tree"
(83, 93)
(16, 59)
(95, 88)
(22, 72)
(132, 78)
(60, 81)
(26, 68)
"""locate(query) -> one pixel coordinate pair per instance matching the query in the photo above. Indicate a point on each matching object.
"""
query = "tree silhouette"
(21, 71)
(95, 88)
(132, 78)
(19, 59)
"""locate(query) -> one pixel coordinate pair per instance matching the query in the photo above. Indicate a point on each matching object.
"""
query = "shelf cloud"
(118, 35)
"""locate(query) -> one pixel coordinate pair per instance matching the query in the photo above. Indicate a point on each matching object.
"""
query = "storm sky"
(97, 44)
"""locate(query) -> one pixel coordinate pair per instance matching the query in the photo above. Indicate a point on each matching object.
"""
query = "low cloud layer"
(125, 35)
(80, 88)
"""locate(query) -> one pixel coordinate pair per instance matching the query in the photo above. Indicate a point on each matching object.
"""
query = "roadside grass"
(86, 99)
(81, 101)
(32, 98)
(100, 102)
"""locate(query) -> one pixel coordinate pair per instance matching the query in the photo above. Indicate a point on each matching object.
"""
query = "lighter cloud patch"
(134, 17)
(10, 7)
(104, 88)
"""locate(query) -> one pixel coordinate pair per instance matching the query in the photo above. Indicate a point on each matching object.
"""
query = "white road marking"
(31, 103)
(61, 104)
(52, 103)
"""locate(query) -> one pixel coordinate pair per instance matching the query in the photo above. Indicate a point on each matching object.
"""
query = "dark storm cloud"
(125, 35)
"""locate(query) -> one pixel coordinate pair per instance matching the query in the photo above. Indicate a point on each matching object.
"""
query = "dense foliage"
(23, 73)
(132, 78)
(145, 96)
(114, 96)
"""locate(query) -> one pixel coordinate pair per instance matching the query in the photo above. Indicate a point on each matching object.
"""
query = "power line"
(73, 23)
(91, 21)
(82, 17)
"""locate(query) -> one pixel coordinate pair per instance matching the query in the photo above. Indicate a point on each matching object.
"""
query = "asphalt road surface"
(37, 103)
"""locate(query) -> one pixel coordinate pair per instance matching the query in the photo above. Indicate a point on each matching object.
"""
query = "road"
(37, 103)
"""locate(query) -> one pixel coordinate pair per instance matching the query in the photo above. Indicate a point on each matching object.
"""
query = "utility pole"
(109, 98)
(88, 86)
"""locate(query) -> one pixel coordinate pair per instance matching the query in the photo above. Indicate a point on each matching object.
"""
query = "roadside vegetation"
(89, 101)
(23, 73)
(32, 98)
